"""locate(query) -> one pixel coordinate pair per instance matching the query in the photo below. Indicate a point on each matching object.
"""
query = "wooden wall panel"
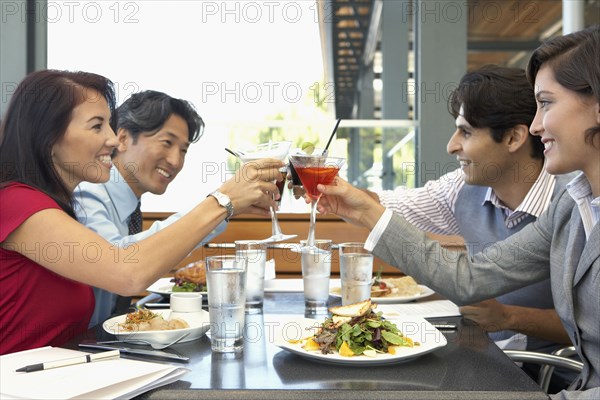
(287, 262)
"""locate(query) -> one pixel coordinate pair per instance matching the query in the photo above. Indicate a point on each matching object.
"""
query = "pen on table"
(447, 326)
(106, 355)
(157, 305)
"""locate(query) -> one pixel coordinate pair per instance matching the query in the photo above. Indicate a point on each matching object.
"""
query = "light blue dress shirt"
(105, 208)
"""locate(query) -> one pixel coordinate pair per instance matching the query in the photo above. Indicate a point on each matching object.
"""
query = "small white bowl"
(186, 302)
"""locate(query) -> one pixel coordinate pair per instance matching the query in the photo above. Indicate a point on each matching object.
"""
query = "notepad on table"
(109, 379)
(425, 309)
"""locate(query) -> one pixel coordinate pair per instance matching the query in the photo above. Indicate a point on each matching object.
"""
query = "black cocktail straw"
(332, 134)
(232, 152)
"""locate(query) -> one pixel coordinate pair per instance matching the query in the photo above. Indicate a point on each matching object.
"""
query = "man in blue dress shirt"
(154, 132)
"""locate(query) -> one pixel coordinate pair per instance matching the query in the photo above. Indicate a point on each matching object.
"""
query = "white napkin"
(424, 309)
(270, 269)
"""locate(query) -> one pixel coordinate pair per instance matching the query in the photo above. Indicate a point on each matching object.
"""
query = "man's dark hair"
(148, 111)
(498, 98)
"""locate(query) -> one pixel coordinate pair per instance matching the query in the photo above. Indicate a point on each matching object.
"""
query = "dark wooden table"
(470, 366)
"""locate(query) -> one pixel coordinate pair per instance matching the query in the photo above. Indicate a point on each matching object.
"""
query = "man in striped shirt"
(500, 186)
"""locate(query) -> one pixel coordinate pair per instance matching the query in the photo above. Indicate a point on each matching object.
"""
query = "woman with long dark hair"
(56, 134)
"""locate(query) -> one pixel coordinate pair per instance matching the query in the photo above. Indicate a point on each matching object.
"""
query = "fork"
(155, 346)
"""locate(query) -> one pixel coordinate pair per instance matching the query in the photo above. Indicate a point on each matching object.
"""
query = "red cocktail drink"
(313, 170)
(312, 176)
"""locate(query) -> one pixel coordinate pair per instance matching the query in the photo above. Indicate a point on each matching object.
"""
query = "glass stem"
(275, 229)
(313, 220)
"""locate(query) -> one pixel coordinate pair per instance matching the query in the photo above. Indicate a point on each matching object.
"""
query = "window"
(253, 70)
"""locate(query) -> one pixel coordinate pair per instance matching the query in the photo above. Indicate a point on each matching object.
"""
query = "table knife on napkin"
(144, 352)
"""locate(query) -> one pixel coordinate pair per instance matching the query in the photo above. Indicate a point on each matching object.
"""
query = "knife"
(144, 352)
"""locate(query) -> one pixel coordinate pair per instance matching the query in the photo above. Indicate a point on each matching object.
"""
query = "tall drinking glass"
(316, 270)
(226, 281)
(356, 272)
(279, 151)
(314, 169)
(255, 253)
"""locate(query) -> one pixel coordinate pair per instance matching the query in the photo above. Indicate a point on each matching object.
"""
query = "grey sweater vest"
(481, 227)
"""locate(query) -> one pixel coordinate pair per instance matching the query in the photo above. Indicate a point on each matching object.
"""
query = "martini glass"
(314, 169)
(279, 151)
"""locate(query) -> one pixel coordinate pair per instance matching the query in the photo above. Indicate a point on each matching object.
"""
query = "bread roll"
(194, 272)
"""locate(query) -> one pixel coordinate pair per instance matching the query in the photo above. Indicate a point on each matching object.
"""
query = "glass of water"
(255, 254)
(356, 272)
(226, 281)
(316, 270)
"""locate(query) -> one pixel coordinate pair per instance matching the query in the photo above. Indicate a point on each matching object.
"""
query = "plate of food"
(392, 290)
(191, 278)
(356, 335)
(158, 327)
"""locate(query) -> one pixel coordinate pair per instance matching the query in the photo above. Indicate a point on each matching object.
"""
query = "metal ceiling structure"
(350, 27)
(498, 32)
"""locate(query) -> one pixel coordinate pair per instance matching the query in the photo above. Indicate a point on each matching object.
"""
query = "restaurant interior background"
(286, 70)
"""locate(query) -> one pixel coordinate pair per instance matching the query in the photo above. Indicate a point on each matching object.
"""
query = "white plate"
(164, 287)
(415, 328)
(199, 323)
(392, 299)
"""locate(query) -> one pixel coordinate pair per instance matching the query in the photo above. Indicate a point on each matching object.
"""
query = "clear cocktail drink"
(278, 150)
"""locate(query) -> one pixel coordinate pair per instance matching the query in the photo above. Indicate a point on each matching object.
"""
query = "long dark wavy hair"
(37, 117)
(575, 62)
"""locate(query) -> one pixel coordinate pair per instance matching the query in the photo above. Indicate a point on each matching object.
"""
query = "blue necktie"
(135, 220)
(135, 226)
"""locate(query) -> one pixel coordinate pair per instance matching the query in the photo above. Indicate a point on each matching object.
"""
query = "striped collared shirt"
(431, 207)
(589, 208)
(535, 202)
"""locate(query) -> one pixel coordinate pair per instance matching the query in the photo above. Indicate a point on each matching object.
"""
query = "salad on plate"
(355, 330)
